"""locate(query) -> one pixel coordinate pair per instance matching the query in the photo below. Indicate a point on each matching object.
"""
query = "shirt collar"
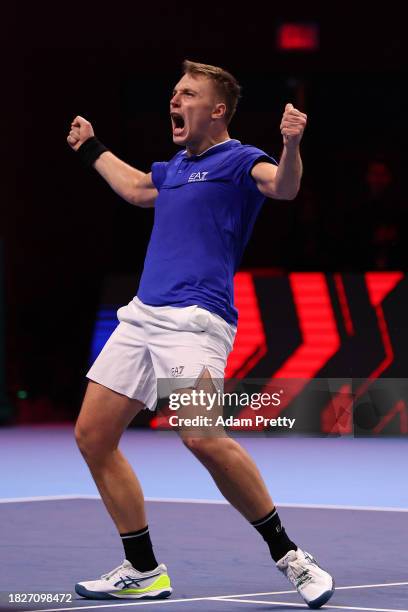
(210, 150)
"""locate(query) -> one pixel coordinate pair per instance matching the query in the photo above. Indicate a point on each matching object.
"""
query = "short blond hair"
(226, 85)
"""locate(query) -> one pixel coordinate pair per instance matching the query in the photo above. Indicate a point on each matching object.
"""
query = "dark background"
(64, 231)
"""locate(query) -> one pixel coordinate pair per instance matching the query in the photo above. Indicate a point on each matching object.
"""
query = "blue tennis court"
(216, 562)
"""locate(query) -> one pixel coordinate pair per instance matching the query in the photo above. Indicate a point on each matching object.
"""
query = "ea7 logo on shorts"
(197, 176)
(177, 371)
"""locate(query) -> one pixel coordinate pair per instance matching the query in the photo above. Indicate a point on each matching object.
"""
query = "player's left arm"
(282, 182)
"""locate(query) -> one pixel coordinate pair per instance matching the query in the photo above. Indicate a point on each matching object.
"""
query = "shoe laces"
(112, 572)
(297, 573)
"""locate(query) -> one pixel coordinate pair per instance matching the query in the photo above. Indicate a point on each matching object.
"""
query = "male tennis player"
(182, 323)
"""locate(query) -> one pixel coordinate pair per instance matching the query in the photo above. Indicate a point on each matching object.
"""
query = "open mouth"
(178, 123)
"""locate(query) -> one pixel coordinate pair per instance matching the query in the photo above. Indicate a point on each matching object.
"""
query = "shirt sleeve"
(159, 171)
(248, 158)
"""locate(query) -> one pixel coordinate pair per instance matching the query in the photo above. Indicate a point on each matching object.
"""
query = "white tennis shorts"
(162, 347)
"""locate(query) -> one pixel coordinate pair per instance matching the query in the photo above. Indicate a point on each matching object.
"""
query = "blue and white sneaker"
(314, 584)
(126, 582)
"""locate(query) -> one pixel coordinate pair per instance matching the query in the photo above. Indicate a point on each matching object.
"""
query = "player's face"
(191, 109)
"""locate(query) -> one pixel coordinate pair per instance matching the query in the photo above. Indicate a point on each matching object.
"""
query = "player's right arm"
(132, 185)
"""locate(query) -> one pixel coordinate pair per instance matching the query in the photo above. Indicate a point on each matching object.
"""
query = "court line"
(132, 603)
(372, 586)
(11, 500)
(338, 588)
(302, 605)
(282, 505)
(231, 598)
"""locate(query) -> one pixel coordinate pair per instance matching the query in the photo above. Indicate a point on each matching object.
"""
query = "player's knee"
(189, 443)
(81, 437)
(90, 443)
(203, 447)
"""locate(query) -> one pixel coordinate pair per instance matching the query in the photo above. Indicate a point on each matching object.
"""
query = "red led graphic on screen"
(250, 343)
(334, 326)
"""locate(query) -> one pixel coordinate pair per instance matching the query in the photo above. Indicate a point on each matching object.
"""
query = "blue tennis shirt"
(204, 215)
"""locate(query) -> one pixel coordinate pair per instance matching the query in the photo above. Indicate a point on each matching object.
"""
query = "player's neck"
(197, 148)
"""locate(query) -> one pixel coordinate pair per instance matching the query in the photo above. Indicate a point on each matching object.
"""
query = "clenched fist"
(80, 131)
(292, 125)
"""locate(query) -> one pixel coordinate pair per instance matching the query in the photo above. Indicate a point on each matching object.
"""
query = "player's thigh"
(104, 416)
(200, 420)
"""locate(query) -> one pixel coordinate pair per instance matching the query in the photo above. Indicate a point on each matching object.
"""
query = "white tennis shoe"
(314, 584)
(126, 582)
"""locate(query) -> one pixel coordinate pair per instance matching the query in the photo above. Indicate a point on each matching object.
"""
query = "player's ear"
(219, 110)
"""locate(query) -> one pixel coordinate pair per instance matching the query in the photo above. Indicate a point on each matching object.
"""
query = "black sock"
(139, 550)
(274, 535)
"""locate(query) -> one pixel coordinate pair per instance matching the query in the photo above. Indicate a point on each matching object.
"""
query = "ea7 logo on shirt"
(177, 371)
(197, 176)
